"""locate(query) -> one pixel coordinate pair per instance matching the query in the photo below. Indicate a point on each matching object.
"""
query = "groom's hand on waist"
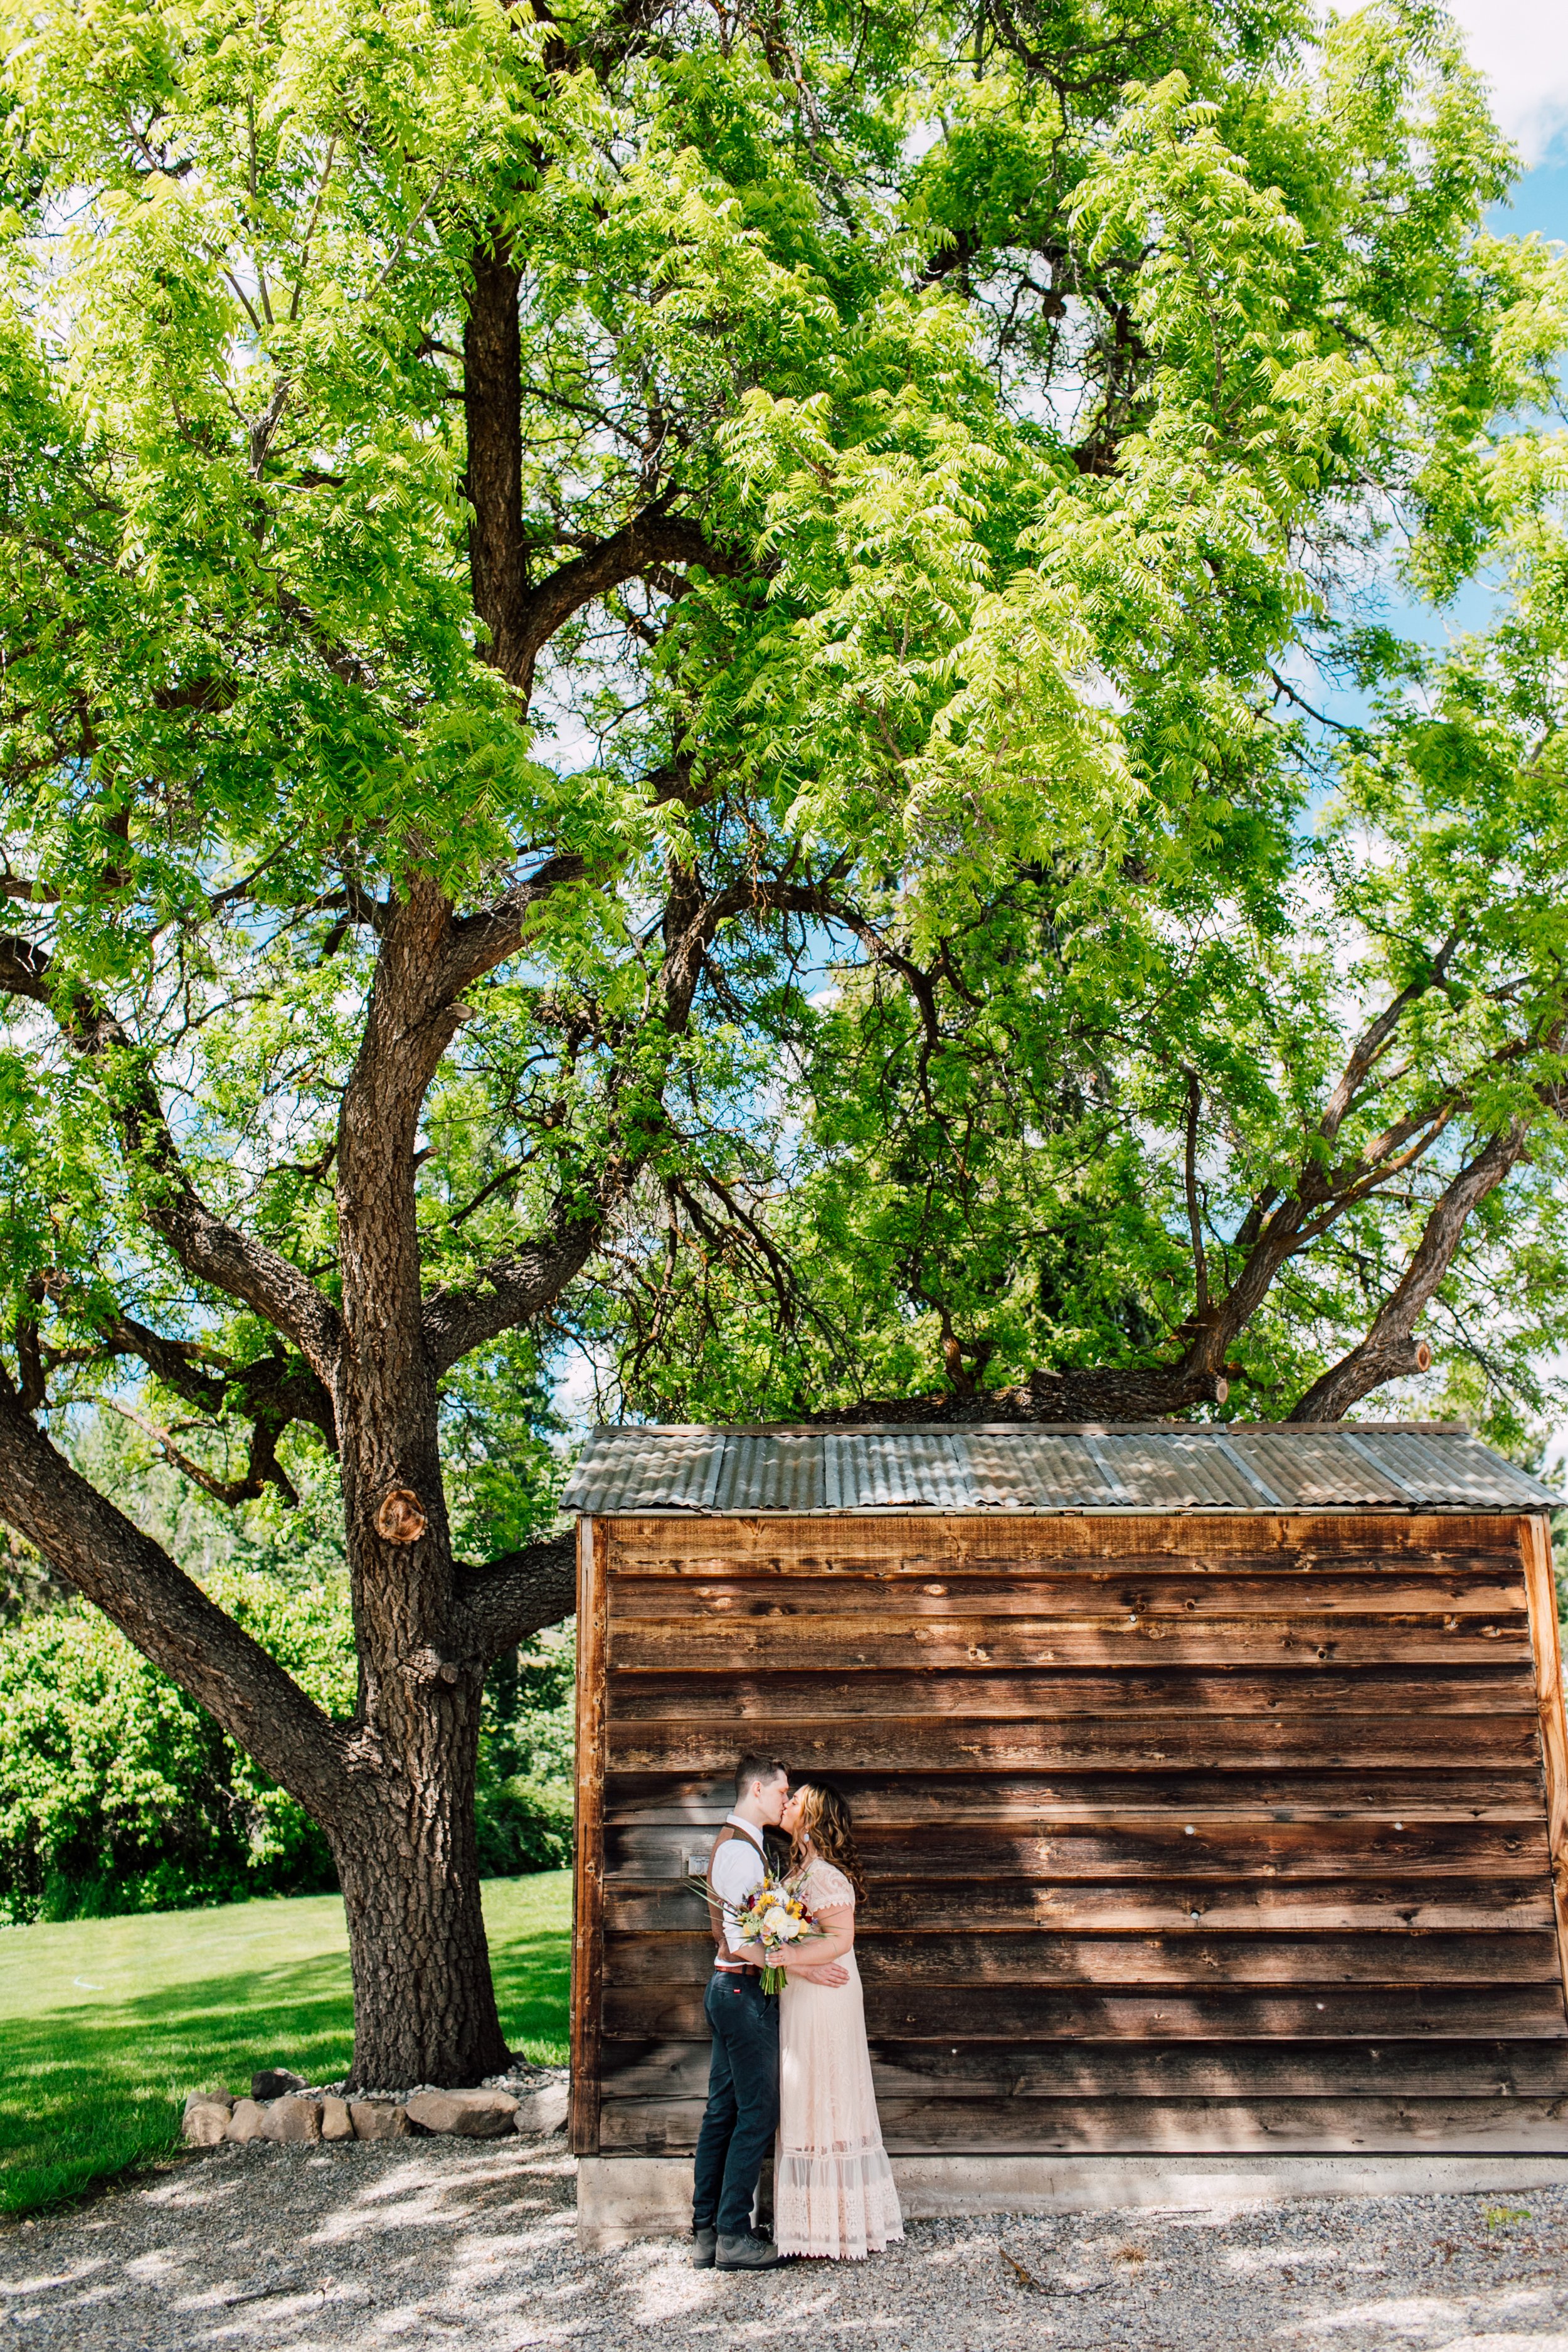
(829, 1973)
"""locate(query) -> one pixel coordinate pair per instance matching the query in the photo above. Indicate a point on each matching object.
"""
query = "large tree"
(523, 539)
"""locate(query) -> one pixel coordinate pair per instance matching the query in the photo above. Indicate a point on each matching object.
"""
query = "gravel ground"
(427, 2243)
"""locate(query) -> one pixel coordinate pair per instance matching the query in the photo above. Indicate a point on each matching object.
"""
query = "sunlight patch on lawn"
(105, 2024)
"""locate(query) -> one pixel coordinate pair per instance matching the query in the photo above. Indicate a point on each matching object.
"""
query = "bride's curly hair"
(826, 1820)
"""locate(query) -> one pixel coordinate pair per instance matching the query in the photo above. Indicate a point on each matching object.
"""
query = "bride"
(833, 2186)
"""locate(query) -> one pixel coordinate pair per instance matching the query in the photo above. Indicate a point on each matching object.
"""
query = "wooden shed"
(1211, 1782)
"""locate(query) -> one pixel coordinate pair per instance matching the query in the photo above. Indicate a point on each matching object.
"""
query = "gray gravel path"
(443, 2241)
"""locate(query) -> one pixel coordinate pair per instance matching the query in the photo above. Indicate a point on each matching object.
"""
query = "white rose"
(774, 1921)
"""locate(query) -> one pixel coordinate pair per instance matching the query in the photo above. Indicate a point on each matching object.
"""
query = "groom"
(743, 2109)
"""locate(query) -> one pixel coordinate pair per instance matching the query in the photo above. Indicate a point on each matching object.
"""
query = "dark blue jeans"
(743, 2110)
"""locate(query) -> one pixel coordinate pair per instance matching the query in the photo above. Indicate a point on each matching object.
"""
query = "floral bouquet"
(774, 1915)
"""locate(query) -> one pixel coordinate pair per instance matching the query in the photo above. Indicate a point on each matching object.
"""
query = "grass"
(105, 2024)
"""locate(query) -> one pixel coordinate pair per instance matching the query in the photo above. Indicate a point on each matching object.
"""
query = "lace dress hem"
(839, 2203)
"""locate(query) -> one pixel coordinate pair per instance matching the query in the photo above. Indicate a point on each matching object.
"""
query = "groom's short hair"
(766, 1768)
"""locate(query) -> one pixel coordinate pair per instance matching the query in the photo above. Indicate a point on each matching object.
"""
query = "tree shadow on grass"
(88, 2088)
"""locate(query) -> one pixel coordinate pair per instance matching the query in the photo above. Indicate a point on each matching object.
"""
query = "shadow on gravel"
(280, 2250)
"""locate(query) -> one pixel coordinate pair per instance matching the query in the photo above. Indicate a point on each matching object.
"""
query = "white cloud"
(1520, 46)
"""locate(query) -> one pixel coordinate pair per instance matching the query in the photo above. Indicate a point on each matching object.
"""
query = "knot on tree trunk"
(430, 1666)
(400, 1518)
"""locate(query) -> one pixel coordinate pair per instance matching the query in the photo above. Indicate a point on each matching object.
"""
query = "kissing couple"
(793, 2064)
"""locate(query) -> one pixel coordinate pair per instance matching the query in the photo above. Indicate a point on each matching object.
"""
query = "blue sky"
(1540, 200)
(1522, 48)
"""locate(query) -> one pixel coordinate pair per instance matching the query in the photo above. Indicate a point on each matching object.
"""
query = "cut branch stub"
(401, 1518)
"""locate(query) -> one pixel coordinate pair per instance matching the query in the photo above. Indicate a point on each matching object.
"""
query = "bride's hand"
(827, 1973)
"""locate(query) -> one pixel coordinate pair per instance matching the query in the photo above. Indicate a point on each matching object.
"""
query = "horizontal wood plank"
(1195, 2126)
(1245, 2069)
(1042, 1957)
(642, 1544)
(1287, 1793)
(1239, 1908)
(1138, 1848)
(1493, 1688)
(1293, 1589)
(1164, 1743)
(1015, 2014)
(839, 1645)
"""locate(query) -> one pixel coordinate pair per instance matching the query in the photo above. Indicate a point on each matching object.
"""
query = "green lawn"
(105, 2024)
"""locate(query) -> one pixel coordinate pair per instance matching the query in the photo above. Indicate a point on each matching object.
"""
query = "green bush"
(523, 1806)
(118, 1793)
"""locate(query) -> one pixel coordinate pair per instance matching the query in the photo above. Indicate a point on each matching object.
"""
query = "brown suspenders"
(715, 1903)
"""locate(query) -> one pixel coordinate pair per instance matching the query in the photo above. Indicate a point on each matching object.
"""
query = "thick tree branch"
(270, 1388)
(208, 1249)
(492, 399)
(476, 943)
(521, 613)
(1194, 1220)
(510, 1291)
(263, 1468)
(508, 1600)
(1111, 1392)
(171, 1621)
(1322, 1191)
(641, 547)
(1369, 1046)
(1390, 1351)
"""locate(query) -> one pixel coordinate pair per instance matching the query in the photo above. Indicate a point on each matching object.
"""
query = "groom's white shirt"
(737, 1866)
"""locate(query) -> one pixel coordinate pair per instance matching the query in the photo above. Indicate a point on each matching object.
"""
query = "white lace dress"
(833, 2186)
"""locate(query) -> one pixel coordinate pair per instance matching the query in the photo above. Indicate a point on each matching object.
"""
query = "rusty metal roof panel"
(1457, 1471)
(917, 1470)
(1035, 1470)
(1179, 1474)
(1202, 1468)
(1316, 1469)
(771, 1474)
(647, 1470)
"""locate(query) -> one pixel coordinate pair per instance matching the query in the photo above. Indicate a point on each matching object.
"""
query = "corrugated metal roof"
(1147, 1467)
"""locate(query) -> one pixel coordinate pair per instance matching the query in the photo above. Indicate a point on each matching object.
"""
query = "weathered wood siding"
(1183, 1832)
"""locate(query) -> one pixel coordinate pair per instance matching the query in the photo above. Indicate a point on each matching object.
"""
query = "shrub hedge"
(118, 1793)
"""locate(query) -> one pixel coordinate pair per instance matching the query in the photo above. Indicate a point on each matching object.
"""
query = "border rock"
(336, 2121)
(275, 2082)
(471, 2115)
(377, 2119)
(543, 2110)
(205, 2120)
(245, 2123)
(294, 2121)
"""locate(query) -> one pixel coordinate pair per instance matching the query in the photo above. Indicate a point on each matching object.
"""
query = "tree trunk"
(424, 2008)
(407, 1857)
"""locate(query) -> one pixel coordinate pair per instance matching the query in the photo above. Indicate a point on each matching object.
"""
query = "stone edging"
(301, 2116)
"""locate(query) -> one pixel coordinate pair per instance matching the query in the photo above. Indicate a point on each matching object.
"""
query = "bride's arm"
(824, 1950)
